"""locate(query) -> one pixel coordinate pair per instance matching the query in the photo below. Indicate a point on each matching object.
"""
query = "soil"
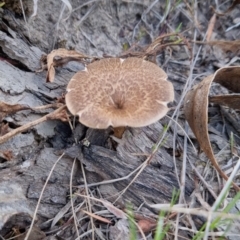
(100, 29)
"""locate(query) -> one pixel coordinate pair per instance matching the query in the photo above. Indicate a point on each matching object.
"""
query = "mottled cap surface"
(117, 92)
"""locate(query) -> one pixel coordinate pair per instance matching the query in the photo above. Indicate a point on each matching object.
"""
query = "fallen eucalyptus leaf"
(196, 108)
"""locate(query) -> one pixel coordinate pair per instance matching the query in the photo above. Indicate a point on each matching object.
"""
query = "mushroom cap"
(119, 92)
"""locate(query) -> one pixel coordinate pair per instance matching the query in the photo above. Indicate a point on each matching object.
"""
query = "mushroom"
(119, 92)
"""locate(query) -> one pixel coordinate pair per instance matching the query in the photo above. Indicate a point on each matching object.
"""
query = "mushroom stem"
(118, 131)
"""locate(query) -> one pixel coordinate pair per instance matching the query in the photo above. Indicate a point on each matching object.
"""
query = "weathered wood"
(154, 184)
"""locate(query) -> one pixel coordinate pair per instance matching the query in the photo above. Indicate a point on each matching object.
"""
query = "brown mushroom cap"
(119, 92)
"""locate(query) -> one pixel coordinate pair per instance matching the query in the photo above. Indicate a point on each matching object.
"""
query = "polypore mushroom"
(119, 92)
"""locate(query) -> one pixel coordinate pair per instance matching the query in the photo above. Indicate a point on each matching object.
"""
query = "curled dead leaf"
(60, 57)
(196, 108)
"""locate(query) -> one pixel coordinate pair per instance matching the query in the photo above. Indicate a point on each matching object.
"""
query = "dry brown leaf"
(234, 4)
(60, 57)
(196, 108)
(114, 210)
(6, 109)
